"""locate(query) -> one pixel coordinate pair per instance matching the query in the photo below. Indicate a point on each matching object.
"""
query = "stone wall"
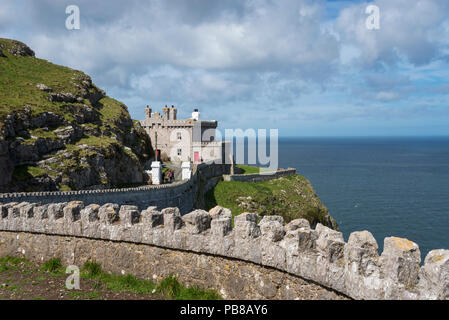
(182, 194)
(234, 279)
(319, 255)
(259, 177)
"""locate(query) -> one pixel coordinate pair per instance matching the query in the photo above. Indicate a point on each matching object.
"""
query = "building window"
(179, 152)
(179, 135)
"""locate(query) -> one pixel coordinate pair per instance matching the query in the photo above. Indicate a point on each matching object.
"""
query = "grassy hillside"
(247, 169)
(59, 131)
(291, 197)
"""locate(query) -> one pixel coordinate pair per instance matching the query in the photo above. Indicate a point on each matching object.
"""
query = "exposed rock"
(17, 48)
(62, 97)
(43, 87)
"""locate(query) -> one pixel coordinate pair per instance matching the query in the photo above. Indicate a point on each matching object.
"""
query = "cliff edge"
(291, 197)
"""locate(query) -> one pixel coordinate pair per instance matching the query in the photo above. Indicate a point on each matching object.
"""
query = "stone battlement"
(320, 255)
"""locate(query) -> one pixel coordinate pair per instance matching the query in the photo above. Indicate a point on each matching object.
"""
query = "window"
(179, 135)
(179, 152)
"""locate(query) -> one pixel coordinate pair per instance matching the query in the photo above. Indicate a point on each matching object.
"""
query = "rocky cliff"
(58, 131)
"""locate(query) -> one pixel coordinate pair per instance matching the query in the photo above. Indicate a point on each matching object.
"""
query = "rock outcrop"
(58, 131)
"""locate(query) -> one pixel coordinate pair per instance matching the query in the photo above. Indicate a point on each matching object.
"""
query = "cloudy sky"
(308, 68)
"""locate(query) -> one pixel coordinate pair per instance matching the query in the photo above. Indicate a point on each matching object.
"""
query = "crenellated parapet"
(321, 255)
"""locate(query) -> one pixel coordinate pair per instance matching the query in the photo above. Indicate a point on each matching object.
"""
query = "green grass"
(112, 110)
(172, 289)
(75, 294)
(291, 197)
(248, 169)
(53, 266)
(92, 295)
(19, 78)
(96, 141)
(10, 263)
(25, 172)
(40, 133)
(169, 288)
(65, 188)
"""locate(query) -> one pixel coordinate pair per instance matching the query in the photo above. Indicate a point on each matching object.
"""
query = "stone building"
(190, 139)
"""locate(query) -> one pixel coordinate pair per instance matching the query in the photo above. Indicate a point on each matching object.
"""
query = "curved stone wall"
(319, 255)
(181, 194)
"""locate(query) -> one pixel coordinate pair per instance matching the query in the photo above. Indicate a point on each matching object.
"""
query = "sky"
(307, 68)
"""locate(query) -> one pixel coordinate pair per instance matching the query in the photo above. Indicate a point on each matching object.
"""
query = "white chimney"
(196, 115)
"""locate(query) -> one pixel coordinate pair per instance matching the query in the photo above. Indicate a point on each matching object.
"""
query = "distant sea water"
(388, 186)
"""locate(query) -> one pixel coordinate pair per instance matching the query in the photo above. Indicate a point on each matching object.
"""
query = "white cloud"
(244, 61)
(413, 30)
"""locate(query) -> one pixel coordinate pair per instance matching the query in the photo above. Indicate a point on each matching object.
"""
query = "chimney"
(148, 112)
(173, 112)
(165, 112)
(195, 115)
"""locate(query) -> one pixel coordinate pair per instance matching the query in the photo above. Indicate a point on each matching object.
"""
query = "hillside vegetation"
(291, 197)
(59, 131)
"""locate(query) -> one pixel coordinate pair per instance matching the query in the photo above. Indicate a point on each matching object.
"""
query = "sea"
(388, 186)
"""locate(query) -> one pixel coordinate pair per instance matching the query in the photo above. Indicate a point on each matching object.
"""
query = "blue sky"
(308, 68)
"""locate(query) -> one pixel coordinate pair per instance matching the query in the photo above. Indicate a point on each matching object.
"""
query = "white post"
(186, 171)
(156, 172)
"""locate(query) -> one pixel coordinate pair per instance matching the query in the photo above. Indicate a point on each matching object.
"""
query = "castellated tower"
(148, 112)
(166, 113)
(183, 140)
(173, 112)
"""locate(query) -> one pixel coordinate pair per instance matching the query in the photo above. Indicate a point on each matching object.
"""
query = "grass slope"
(19, 76)
(291, 197)
(248, 169)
